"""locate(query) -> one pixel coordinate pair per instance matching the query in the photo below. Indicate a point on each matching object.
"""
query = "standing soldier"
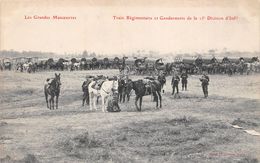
(204, 83)
(175, 83)
(85, 89)
(184, 80)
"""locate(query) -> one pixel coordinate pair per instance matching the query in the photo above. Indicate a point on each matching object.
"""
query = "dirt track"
(187, 129)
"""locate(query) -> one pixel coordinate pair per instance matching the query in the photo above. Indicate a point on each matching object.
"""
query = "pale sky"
(94, 28)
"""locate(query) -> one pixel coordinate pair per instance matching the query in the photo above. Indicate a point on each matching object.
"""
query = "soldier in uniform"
(204, 83)
(84, 87)
(184, 80)
(175, 83)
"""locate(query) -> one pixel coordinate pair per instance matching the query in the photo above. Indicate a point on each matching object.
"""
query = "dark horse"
(124, 89)
(52, 88)
(151, 88)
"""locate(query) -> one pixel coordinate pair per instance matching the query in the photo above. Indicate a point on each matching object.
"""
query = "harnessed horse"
(140, 90)
(52, 88)
(107, 88)
(124, 89)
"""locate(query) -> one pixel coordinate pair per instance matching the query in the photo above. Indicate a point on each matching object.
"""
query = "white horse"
(256, 66)
(26, 66)
(107, 89)
(76, 66)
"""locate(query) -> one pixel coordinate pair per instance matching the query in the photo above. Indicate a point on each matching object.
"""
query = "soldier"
(204, 83)
(85, 89)
(175, 83)
(184, 80)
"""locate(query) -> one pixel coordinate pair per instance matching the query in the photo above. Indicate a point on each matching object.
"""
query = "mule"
(141, 90)
(107, 88)
(52, 88)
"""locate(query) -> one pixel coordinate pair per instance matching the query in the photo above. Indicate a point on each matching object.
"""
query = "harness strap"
(105, 91)
(111, 88)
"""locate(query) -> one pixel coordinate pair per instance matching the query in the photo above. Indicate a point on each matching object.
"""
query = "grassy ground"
(189, 129)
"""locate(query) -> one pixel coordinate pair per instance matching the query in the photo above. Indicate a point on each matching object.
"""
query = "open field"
(189, 129)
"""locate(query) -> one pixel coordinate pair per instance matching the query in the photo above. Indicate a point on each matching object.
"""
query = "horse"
(162, 79)
(141, 90)
(52, 88)
(124, 89)
(107, 88)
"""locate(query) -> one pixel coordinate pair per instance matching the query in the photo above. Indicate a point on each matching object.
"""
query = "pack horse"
(105, 90)
(142, 88)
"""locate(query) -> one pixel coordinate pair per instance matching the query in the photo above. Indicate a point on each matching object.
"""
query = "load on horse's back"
(147, 86)
(52, 88)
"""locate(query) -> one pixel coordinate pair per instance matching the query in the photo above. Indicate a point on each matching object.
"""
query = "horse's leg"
(52, 99)
(128, 93)
(140, 102)
(136, 100)
(90, 100)
(84, 98)
(106, 103)
(46, 98)
(57, 101)
(160, 98)
(103, 103)
(128, 97)
(95, 101)
(123, 94)
(156, 98)
(50, 102)
(120, 96)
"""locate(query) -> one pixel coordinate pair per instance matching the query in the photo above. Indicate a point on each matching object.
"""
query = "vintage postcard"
(129, 81)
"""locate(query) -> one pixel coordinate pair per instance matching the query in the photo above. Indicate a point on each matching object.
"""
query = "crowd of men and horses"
(111, 90)
(139, 66)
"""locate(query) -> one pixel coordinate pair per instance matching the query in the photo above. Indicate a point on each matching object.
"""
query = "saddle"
(112, 78)
(98, 83)
(150, 78)
(89, 77)
(148, 85)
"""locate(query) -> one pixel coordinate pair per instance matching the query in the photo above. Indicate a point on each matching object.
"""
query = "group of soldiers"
(204, 79)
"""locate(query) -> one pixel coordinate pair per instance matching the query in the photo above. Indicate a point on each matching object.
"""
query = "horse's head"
(129, 85)
(121, 83)
(162, 79)
(115, 86)
(57, 80)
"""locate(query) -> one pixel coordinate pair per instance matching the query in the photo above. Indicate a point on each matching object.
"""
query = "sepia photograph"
(129, 81)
